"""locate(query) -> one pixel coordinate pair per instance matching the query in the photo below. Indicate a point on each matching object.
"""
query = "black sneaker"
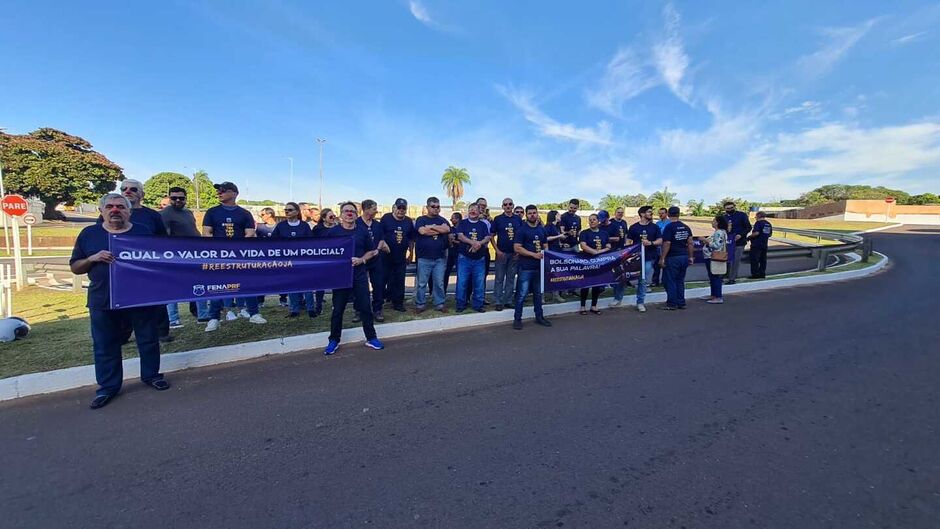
(517, 325)
(166, 339)
(312, 313)
(293, 314)
(543, 322)
(159, 384)
(499, 307)
(399, 308)
(100, 401)
(480, 309)
(379, 317)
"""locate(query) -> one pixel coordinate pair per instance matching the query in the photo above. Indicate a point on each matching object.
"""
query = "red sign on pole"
(889, 200)
(14, 205)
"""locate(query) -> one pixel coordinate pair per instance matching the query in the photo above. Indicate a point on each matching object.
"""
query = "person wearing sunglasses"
(231, 221)
(363, 251)
(505, 228)
(375, 267)
(180, 222)
(293, 228)
(431, 244)
(399, 237)
(325, 221)
(133, 190)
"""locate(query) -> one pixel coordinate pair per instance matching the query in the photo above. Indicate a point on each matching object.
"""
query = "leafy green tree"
(453, 180)
(563, 206)
(719, 207)
(56, 167)
(204, 188)
(612, 202)
(663, 199)
(924, 199)
(158, 186)
(697, 208)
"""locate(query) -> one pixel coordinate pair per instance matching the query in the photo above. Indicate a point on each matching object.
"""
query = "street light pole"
(291, 178)
(321, 141)
(3, 192)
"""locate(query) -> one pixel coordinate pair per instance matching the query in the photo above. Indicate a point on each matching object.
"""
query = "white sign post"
(18, 256)
(29, 219)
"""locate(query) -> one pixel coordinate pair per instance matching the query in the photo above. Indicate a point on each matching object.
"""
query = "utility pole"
(321, 141)
(291, 178)
(6, 234)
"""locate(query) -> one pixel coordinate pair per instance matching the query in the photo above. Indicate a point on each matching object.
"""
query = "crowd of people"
(383, 247)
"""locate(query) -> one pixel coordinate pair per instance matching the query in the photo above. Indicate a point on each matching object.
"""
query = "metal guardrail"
(844, 243)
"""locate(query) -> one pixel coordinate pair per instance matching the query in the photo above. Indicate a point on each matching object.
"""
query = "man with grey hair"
(91, 256)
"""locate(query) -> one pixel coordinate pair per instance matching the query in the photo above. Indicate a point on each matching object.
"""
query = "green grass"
(53, 229)
(60, 335)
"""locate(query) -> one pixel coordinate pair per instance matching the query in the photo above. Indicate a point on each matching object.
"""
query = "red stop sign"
(889, 200)
(14, 205)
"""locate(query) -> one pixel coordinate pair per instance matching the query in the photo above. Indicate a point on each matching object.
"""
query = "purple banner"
(159, 270)
(568, 271)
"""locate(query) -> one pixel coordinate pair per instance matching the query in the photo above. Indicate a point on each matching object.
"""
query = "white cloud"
(794, 163)
(809, 108)
(838, 43)
(907, 39)
(631, 72)
(669, 55)
(725, 133)
(420, 12)
(547, 126)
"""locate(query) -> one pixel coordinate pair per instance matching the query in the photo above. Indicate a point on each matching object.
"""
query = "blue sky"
(538, 100)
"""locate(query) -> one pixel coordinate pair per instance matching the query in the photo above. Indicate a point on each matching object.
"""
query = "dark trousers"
(657, 273)
(449, 268)
(528, 281)
(758, 260)
(674, 279)
(595, 293)
(714, 281)
(395, 283)
(359, 293)
(377, 280)
(107, 336)
(318, 295)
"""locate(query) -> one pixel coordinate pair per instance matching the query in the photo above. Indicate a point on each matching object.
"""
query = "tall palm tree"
(453, 181)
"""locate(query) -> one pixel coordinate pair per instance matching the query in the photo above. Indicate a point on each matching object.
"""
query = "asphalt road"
(809, 407)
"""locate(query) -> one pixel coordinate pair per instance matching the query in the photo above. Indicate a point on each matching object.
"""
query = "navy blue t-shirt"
(764, 231)
(551, 230)
(738, 224)
(617, 228)
(475, 231)
(144, 216)
(595, 239)
(398, 236)
(570, 221)
(505, 229)
(283, 230)
(262, 229)
(363, 243)
(534, 239)
(652, 233)
(678, 235)
(376, 233)
(91, 240)
(430, 246)
(320, 230)
(229, 223)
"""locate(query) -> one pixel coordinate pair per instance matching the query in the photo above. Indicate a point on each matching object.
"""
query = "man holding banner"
(91, 255)
(647, 233)
(531, 239)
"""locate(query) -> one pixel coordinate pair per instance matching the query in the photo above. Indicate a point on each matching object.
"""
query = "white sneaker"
(244, 314)
(641, 308)
(615, 303)
(231, 316)
(257, 319)
(212, 325)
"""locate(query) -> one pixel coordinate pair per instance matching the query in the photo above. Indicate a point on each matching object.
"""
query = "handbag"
(718, 268)
(720, 255)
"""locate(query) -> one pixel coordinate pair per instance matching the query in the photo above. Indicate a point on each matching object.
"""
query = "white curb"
(873, 230)
(76, 377)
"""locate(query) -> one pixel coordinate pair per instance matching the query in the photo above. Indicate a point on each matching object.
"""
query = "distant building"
(862, 210)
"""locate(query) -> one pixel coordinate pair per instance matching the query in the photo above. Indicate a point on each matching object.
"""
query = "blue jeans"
(641, 284)
(433, 269)
(470, 270)
(173, 311)
(618, 290)
(295, 298)
(202, 310)
(107, 335)
(215, 306)
(528, 281)
(674, 279)
(713, 281)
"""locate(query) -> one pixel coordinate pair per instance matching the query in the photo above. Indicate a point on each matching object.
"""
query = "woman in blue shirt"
(593, 241)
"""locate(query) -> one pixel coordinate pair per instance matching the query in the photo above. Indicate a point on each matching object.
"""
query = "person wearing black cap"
(231, 221)
(675, 259)
(399, 236)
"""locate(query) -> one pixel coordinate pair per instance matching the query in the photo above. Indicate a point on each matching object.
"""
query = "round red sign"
(889, 200)
(14, 205)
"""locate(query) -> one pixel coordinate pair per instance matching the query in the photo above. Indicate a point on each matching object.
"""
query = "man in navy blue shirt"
(504, 229)
(647, 233)
(363, 251)
(760, 238)
(431, 244)
(399, 237)
(739, 227)
(571, 223)
(531, 239)
(231, 221)
(375, 267)
(91, 256)
(474, 237)
(677, 255)
(291, 228)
